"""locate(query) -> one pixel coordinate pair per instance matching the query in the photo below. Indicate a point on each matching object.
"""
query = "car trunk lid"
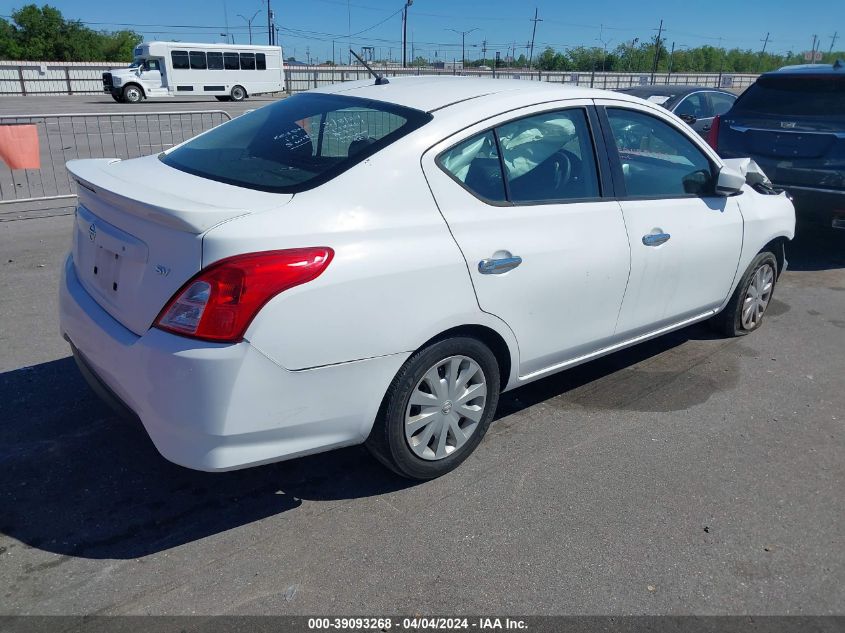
(139, 227)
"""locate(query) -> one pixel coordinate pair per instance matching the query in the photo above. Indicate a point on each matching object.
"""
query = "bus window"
(260, 62)
(215, 61)
(230, 61)
(247, 61)
(180, 59)
(198, 60)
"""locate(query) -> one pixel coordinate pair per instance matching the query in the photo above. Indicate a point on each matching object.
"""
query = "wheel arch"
(492, 339)
(777, 247)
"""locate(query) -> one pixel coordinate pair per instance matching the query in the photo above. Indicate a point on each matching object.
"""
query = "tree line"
(632, 58)
(43, 34)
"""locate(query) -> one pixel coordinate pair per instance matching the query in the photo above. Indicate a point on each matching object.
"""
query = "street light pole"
(249, 23)
(463, 35)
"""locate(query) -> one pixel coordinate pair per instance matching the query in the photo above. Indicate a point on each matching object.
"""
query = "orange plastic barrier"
(19, 146)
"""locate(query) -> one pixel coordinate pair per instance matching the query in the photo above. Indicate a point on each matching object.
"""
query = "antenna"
(380, 80)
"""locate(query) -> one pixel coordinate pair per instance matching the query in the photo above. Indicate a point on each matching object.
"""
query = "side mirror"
(688, 119)
(729, 182)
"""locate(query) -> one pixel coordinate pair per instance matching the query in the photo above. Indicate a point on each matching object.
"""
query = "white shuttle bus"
(229, 72)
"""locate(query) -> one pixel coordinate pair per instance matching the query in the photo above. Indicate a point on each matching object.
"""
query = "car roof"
(432, 92)
(837, 67)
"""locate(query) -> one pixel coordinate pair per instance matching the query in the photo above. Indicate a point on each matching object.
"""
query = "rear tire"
(132, 94)
(744, 312)
(238, 93)
(460, 378)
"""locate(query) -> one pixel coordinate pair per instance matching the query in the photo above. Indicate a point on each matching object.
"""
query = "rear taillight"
(713, 134)
(219, 303)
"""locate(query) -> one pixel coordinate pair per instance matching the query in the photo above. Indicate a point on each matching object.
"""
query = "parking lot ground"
(691, 474)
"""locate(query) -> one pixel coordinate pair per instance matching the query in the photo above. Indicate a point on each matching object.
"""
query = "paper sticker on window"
(659, 99)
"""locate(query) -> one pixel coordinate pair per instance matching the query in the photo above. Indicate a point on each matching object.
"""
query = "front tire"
(132, 94)
(437, 409)
(238, 93)
(744, 312)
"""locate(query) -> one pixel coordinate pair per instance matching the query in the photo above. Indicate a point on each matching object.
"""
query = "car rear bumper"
(217, 407)
(826, 206)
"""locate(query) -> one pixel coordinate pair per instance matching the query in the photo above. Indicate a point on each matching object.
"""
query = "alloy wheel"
(757, 296)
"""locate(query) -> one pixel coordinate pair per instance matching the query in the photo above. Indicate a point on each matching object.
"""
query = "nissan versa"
(376, 263)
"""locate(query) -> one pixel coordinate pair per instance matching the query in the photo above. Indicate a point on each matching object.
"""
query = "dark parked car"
(694, 104)
(792, 122)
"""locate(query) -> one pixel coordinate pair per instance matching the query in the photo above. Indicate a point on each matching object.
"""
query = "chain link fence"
(64, 137)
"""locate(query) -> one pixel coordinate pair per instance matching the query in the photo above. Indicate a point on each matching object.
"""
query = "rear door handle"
(498, 266)
(655, 239)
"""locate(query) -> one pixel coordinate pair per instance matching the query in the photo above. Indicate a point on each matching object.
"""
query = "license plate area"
(106, 270)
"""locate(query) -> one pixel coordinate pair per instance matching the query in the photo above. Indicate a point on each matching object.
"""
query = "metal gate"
(63, 137)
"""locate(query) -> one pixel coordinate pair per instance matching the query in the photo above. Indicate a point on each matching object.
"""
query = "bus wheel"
(132, 94)
(223, 98)
(238, 93)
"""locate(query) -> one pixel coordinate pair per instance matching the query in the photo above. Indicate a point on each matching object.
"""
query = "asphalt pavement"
(690, 474)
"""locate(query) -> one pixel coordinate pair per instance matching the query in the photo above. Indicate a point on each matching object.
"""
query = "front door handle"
(498, 266)
(655, 239)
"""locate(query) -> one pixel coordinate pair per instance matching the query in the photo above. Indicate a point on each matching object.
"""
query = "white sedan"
(377, 263)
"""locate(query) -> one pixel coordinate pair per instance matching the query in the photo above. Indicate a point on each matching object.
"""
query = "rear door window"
(694, 105)
(795, 95)
(475, 165)
(295, 144)
(721, 102)
(260, 61)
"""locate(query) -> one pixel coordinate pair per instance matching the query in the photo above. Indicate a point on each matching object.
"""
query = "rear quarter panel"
(397, 278)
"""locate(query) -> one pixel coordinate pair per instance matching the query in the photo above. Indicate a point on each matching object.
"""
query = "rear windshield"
(295, 144)
(796, 95)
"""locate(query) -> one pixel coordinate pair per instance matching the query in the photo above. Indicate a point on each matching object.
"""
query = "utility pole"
(763, 51)
(604, 44)
(633, 49)
(226, 21)
(484, 52)
(269, 24)
(671, 59)
(656, 51)
(533, 34)
(408, 3)
(833, 39)
(813, 51)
